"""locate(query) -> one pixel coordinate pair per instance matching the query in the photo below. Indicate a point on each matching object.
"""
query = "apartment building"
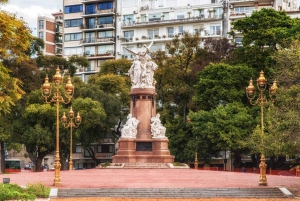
(89, 29)
(140, 22)
(46, 31)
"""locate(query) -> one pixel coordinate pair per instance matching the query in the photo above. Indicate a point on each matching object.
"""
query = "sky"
(30, 9)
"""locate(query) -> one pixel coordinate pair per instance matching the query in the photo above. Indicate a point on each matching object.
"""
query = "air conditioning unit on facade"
(118, 14)
(139, 45)
(135, 12)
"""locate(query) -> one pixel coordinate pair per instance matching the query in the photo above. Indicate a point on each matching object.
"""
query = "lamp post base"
(57, 166)
(71, 165)
(263, 171)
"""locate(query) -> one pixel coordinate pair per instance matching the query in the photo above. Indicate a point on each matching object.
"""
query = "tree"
(118, 67)
(221, 83)
(10, 90)
(92, 128)
(282, 132)
(174, 77)
(263, 33)
(223, 128)
(15, 37)
(49, 64)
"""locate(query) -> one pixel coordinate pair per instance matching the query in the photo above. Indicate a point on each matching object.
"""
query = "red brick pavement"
(151, 178)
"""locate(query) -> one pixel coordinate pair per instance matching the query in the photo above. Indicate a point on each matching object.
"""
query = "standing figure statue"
(142, 69)
(157, 129)
(147, 76)
(129, 130)
(135, 71)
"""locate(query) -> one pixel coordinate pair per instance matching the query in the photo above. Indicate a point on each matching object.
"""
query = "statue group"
(141, 73)
(142, 69)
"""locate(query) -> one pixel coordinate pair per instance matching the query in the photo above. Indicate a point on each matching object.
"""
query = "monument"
(143, 138)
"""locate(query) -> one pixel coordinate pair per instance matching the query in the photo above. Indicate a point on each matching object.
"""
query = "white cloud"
(29, 10)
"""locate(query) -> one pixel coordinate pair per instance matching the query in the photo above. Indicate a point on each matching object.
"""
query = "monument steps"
(173, 192)
(146, 165)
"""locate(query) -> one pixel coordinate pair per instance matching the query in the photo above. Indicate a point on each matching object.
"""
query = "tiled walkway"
(153, 178)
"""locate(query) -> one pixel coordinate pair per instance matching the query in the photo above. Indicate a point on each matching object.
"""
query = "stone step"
(173, 192)
(146, 165)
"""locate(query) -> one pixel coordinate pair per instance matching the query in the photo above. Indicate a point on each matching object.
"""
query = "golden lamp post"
(57, 97)
(196, 157)
(261, 100)
(71, 125)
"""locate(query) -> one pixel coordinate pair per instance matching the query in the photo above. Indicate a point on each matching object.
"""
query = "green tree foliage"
(222, 128)
(92, 128)
(282, 124)
(174, 76)
(10, 90)
(263, 32)
(49, 64)
(118, 67)
(15, 37)
(221, 83)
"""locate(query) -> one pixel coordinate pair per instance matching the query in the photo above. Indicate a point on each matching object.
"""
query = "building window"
(90, 50)
(154, 16)
(41, 24)
(105, 148)
(73, 23)
(166, 16)
(105, 6)
(105, 34)
(78, 149)
(180, 15)
(180, 30)
(90, 9)
(73, 51)
(170, 31)
(243, 10)
(215, 30)
(103, 49)
(128, 19)
(128, 35)
(105, 20)
(100, 62)
(41, 34)
(73, 37)
(152, 33)
(86, 153)
(73, 9)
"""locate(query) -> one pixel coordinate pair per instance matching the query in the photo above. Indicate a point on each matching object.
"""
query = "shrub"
(15, 192)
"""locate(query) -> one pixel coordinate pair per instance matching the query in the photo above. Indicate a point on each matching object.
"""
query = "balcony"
(161, 22)
(97, 26)
(100, 54)
(99, 12)
(88, 69)
(247, 1)
(89, 41)
(58, 41)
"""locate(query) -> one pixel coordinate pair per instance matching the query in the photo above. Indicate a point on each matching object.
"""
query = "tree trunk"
(2, 157)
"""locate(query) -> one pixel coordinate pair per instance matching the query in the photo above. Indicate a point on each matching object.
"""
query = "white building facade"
(101, 29)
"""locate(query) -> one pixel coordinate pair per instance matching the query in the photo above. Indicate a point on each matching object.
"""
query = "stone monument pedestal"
(143, 136)
(143, 151)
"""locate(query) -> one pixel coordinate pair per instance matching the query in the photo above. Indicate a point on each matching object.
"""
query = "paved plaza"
(155, 179)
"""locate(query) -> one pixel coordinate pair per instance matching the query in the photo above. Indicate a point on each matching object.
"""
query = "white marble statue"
(157, 129)
(129, 130)
(142, 69)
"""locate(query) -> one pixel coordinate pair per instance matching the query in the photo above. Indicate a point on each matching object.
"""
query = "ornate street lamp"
(57, 97)
(71, 125)
(261, 100)
(196, 156)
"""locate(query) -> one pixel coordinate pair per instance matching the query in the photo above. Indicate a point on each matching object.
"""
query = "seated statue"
(157, 129)
(129, 130)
